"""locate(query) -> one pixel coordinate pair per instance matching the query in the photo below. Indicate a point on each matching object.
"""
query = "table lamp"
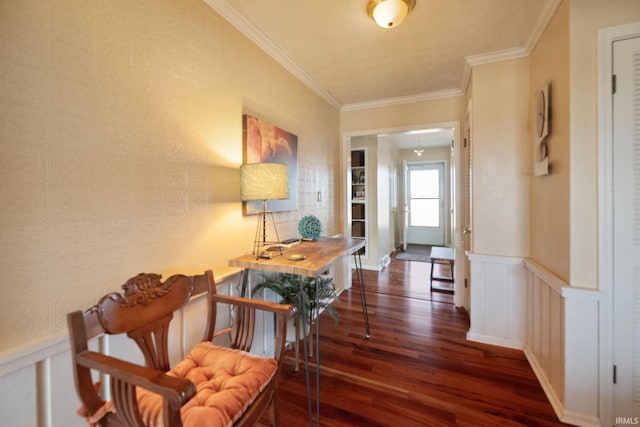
(264, 181)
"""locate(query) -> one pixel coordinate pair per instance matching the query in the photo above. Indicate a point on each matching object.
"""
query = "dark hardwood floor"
(417, 369)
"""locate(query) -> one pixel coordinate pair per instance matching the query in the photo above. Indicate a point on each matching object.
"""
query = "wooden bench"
(443, 256)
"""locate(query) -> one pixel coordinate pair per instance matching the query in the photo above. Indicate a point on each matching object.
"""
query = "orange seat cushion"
(227, 382)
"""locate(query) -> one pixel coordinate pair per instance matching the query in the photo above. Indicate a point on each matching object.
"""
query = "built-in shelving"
(359, 196)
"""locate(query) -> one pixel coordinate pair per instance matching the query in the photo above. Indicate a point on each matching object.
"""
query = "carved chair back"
(143, 311)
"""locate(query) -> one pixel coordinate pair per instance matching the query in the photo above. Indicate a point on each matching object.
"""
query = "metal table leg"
(363, 299)
(317, 344)
(304, 318)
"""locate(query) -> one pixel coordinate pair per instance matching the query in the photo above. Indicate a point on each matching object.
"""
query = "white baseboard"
(576, 419)
(366, 266)
(568, 417)
(501, 342)
(556, 403)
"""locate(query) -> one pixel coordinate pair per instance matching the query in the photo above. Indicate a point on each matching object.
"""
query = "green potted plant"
(287, 287)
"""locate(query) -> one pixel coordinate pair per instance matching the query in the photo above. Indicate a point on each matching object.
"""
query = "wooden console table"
(320, 256)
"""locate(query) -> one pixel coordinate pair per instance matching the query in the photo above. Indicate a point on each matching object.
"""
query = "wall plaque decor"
(540, 154)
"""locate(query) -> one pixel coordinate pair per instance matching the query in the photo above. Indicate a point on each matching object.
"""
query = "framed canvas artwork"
(266, 143)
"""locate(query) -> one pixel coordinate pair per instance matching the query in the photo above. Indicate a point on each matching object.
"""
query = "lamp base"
(260, 242)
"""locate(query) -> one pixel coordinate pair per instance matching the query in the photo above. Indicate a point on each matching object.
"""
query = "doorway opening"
(390, 151)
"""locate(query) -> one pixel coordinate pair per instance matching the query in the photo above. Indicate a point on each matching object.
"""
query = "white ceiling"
(335, 48)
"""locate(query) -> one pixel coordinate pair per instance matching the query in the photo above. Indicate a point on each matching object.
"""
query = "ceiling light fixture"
(419, 150)
(389, 13)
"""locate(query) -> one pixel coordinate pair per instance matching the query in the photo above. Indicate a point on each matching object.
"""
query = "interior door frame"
(405, 206)
(465, 198)
(456, 234)
(606, 38)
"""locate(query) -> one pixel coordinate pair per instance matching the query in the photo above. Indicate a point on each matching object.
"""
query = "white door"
(426, 201)
(626, 228)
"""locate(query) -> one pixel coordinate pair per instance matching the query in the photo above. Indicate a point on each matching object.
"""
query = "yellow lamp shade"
(264, 181)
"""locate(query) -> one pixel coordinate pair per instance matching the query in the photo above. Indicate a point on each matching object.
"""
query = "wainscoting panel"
(545, 333)
(19, 391)
(36, 382)
(498, 300)
(61, 407)
(582, 361)
(562, 344)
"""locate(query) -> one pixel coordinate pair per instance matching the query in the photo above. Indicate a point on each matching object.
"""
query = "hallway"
(417, 369)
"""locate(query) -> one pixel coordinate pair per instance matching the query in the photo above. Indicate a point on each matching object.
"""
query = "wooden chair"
(212, 386)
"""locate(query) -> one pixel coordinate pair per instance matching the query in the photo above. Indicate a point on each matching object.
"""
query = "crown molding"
(497, 56)
(503, 55)
(235, 18)
(488, 58)
(466, 76)
(428, 96)
(544, 19)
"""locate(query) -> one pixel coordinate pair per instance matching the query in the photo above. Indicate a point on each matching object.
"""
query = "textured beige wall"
(120, 141)
(500, 158)
(549, 226)
(586, 18)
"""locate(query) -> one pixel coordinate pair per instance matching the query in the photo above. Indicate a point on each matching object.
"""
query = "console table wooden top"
(320, 255)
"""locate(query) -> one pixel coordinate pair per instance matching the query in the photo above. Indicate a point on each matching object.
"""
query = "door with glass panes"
(425, 204)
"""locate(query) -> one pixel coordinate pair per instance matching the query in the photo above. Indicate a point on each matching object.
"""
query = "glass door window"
(424, 198)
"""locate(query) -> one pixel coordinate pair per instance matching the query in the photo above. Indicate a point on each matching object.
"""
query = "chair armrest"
(287, 310)
(242, 332)
(177, 390)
